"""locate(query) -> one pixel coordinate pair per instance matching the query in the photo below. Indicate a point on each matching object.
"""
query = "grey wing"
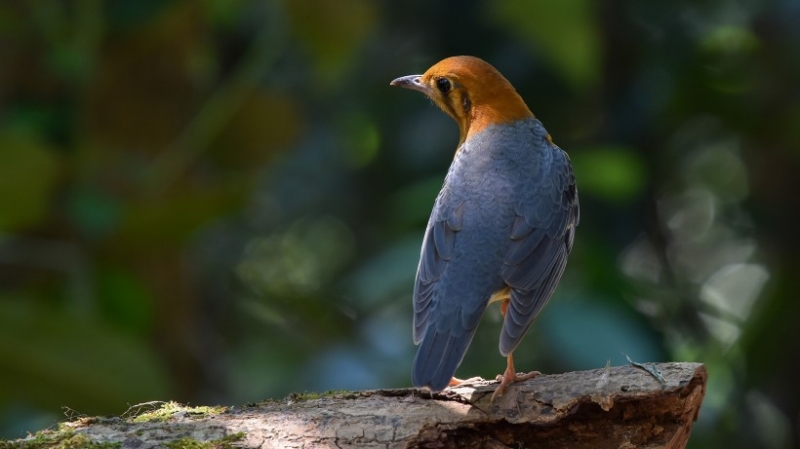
(541, 239)
(438, 246)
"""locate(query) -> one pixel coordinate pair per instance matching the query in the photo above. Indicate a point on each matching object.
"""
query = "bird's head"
(471, 91)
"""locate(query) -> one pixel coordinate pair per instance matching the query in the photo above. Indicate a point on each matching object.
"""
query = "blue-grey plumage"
(501, 228)
(505, 218)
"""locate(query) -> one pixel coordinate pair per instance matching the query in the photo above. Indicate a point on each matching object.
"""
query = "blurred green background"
(223, 201)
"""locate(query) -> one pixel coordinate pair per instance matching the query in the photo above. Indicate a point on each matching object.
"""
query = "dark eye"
(443, 84)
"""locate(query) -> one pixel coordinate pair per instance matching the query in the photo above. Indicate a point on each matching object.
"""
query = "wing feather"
(541, 238)
(438, 247)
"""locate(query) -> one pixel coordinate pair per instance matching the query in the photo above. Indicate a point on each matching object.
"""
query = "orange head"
(471, 91)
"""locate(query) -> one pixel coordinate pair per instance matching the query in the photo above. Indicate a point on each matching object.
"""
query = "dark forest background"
(223, 201)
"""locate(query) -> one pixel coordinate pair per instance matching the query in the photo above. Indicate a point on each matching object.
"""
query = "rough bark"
(618, 407)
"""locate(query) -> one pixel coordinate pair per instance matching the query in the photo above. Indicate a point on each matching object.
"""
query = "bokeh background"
(223, 201)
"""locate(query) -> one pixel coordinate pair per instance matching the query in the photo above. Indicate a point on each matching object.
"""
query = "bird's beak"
(413, 82)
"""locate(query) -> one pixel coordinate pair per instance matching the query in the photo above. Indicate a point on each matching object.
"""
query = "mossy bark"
(619, 407)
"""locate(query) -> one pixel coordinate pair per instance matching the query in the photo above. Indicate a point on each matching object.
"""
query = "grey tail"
(438, 357)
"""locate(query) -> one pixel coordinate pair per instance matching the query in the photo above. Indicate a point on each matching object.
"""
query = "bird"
(501, 227)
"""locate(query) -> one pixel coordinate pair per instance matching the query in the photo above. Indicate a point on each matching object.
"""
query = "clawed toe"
(510, 377)
(455, 382)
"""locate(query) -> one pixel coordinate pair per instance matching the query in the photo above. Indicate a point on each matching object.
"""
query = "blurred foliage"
(220, 202)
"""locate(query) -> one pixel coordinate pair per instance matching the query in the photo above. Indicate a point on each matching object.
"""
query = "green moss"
(69, 439)
(65, 437)
(170, 409)
(308, 396)
(60, 439)
(188, 443)
(225, 442)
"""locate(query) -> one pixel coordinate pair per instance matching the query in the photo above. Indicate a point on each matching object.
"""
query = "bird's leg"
(510, 375)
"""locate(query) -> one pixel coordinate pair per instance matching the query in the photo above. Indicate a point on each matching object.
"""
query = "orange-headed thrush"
(501, 227)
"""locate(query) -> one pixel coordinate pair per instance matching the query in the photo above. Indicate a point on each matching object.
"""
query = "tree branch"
(618, 407)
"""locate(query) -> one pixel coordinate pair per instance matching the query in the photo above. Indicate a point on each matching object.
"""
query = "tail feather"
(438, 357)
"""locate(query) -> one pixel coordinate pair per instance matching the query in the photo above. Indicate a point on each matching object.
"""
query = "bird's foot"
(455, 382)
(509, 377)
